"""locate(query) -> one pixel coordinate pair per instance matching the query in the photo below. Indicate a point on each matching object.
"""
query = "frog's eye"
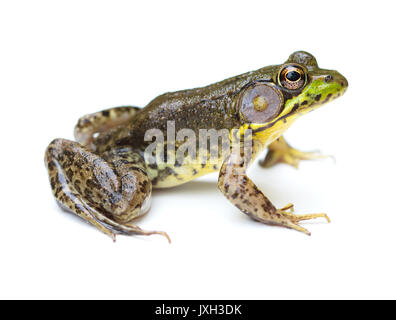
(292, 77)
(260, 103)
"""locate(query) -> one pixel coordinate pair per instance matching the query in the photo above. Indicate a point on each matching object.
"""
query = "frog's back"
(200, 108)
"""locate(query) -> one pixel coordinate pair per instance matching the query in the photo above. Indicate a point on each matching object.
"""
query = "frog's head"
(289, 90)
(305, 86)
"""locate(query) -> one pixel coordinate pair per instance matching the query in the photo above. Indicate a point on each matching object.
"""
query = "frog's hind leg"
(244, 194)
(92, 124)
(108, 192)
(280, 151)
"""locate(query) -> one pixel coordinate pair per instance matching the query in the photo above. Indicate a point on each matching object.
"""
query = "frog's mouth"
(259, 127)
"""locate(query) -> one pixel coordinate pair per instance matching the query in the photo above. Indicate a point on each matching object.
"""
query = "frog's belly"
(170, 175)
(167, 175)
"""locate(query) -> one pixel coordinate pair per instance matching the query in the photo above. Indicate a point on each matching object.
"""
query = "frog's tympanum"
(106, 178)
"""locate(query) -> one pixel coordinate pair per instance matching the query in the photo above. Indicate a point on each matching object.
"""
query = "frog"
(106, 178)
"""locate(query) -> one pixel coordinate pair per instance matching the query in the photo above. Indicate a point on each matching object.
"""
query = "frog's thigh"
(280, 151)
(102, 121)
(108, 193)
(244, 194)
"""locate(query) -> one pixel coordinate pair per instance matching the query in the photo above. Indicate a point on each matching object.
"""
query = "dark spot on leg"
(69, 174)
(77, 186)
(53, 183)
(51, 165)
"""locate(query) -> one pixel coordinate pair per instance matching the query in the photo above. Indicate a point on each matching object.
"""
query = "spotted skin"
(244, 194)
(108, 192)
(103, 176)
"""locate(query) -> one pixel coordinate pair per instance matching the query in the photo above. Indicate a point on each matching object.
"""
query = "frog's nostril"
(342, 81)
(328, 78)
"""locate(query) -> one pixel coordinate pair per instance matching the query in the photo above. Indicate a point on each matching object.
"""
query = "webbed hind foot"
(294, 219)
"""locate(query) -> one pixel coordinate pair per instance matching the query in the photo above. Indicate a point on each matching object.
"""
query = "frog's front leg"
(108, 191)
(91, 124)
(244, 194)
(280, 151)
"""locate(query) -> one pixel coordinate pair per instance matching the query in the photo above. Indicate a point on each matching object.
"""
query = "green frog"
(107, 175)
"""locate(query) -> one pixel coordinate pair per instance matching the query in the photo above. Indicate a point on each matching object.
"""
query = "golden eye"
(292, 77)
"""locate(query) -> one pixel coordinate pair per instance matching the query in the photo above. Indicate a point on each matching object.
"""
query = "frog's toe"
(288, 208)
(293, 220)
(274, 157)
(291, 157)
(280, 151)
(297, 227)
(134, 228)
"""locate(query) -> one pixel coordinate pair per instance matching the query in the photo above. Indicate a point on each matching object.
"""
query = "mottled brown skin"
(108, 191)
(244, 194)
(103, 177)
(207, 107)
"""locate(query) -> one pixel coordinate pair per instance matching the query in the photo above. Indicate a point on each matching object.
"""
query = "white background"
(60, 60)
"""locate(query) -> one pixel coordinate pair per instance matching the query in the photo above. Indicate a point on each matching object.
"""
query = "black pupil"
(293, 76)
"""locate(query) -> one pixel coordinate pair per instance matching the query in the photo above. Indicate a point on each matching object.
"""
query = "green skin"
(103, 177)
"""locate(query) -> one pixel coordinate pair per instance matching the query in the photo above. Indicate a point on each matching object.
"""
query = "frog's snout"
(337, 78)
(326, 86)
